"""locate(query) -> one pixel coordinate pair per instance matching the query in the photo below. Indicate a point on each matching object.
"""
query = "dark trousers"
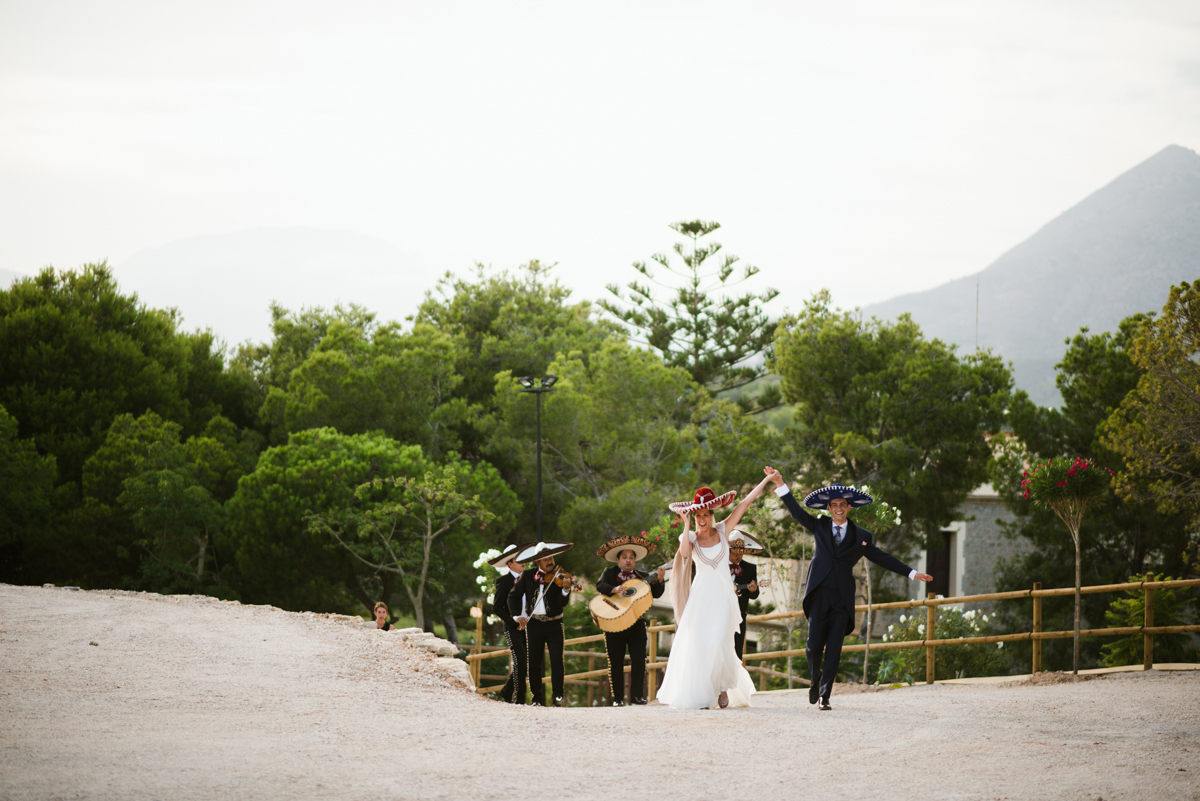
(542, 634)
(826, 630)
(739, 639)
(616, 643)
(514, 688)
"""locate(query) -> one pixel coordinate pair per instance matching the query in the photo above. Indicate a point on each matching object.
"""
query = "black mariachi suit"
(829, 591)
(514, 688)
(744, 596)
(541, 633)
(633, 638)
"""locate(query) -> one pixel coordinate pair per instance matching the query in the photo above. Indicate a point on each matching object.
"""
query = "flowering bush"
(1068, 490)
(1056, 481)
(876, 517)
(951, 661)
(486, 579)
(665, 534)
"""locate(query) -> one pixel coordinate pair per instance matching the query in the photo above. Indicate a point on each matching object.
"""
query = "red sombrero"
(704, 499)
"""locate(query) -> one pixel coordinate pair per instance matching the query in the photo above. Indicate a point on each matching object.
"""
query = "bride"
(703, 669)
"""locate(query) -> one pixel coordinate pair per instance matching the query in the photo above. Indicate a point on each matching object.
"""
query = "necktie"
(837, 535)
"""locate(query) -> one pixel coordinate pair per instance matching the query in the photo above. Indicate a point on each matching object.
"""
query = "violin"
(560, 577)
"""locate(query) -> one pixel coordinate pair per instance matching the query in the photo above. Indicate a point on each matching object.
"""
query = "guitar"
(623, 608)
(743, 587)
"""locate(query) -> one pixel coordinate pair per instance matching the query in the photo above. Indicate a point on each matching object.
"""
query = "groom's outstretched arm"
(885, 559)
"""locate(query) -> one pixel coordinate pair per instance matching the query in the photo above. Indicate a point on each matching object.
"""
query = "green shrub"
(1172, 607)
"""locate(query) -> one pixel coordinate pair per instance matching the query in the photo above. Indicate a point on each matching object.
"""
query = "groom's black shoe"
(825, 704)
(813, 692)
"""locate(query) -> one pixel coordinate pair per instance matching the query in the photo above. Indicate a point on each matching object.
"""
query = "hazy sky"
(873, 148)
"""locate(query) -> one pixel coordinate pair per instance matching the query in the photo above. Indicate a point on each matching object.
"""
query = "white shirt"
(784, 490)
(539, 608)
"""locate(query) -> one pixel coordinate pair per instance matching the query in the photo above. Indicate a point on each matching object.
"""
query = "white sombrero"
(742, 541)
(541, 550)
(507, 555)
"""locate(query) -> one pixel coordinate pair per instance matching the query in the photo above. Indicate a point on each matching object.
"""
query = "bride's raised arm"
(735, 516)
(685, 539)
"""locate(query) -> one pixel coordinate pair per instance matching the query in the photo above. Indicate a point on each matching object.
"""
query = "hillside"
(1114, 253)
(226, 282)
(7, 277)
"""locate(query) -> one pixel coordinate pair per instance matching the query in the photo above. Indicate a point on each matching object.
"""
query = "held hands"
(773, 476)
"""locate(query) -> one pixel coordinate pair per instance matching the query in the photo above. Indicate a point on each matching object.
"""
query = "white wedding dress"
(703, 662)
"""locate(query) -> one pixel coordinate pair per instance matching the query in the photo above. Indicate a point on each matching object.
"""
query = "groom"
(829, 591)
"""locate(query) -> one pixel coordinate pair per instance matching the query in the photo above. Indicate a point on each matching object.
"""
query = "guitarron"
(619, 612)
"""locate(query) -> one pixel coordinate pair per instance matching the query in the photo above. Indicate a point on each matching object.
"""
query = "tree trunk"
(451, 626)
(1078, 574)
(200, 556)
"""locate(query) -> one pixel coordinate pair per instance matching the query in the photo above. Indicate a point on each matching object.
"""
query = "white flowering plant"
(877, 517)
(486, 579)
(951, 661)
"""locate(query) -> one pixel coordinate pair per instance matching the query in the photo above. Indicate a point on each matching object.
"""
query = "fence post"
(591, 689)
(930, 627)
(652, 673)
(1037, 628)
(478, 672)
(762, 677)
(1147, 637)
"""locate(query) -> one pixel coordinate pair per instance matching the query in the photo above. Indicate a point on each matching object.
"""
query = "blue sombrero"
(820, 498)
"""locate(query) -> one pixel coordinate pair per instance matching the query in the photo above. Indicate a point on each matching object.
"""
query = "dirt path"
(184, 698)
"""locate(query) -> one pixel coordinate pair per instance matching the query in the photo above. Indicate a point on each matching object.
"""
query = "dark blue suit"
(829, 591)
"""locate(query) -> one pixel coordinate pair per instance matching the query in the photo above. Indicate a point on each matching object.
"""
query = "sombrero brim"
(640, 546)
(541, 550)
(509, 553)
(820, 498)
(682, 507)
(749, 544)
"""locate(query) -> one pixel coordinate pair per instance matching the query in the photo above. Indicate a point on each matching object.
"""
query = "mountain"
(7, 277)
(226, 282)
(1116, 252)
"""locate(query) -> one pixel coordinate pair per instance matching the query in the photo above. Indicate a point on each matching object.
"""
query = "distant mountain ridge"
(1115, 253)
(7, 277)
(226, 282)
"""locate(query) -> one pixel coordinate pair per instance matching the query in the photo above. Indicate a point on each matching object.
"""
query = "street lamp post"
(537, 387)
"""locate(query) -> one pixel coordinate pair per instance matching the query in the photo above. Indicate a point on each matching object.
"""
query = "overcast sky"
(872, 148)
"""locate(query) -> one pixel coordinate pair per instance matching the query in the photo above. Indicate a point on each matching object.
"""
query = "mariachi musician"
(626, 551)
(514, 689)
(745, 579)
(537, 601)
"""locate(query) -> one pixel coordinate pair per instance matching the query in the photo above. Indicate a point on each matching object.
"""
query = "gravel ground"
(132, 696)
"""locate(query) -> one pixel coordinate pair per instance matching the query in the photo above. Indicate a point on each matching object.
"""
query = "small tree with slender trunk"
(1068, 489)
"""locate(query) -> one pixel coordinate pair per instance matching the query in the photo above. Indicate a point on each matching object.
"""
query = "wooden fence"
(1035, 634)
